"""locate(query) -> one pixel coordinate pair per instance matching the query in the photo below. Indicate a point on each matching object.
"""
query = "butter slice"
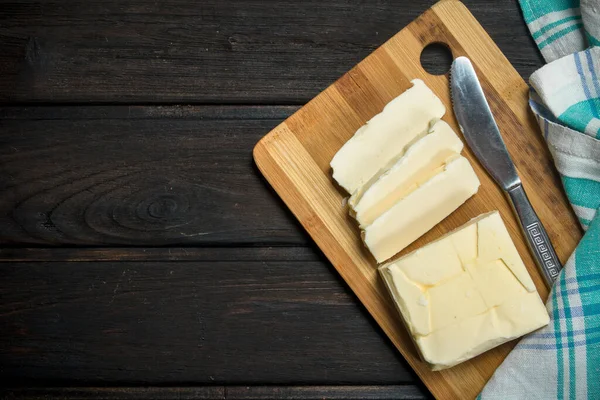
(465, 293)
(420, 162)
(386, 136)
(421, 210)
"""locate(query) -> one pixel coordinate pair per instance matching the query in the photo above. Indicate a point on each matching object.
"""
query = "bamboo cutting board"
(295, 158)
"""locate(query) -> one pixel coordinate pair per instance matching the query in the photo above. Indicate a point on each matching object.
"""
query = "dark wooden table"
(142, 255)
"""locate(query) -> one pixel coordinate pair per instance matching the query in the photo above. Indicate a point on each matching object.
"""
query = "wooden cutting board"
(295, 157)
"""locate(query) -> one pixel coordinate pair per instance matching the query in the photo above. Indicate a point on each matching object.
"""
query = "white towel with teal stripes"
(562, 360)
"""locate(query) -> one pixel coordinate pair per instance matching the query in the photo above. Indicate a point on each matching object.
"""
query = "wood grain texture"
(231, 316)
(131, 176)
(371, 392)
(212, 51)
(295, 158)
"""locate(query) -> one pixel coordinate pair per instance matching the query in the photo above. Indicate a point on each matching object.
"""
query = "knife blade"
(483, 136)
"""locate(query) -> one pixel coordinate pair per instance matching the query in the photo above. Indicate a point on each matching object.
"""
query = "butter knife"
(477, 124)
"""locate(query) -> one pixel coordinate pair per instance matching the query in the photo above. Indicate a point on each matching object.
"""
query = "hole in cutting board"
(436, 58)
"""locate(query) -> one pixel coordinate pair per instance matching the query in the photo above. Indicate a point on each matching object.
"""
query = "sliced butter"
(385, 136)
(420, 162)
(421, 210)
(465, 293)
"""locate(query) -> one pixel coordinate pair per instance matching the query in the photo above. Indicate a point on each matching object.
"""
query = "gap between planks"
(74, 112)
(111, 254)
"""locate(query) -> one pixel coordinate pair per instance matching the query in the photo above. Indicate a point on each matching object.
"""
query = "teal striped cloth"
(562, 27)
(562, 360)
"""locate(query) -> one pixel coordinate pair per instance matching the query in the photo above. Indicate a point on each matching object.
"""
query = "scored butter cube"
(386, 136)
(465, 293)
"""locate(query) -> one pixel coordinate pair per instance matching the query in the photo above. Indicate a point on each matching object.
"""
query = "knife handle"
(537, 238)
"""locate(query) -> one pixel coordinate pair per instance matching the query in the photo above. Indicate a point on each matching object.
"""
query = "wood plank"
(237, 51)
(117, 393)
(387, 392)
(264, 319)
(138, 176)
(295, 159)
(326, 392)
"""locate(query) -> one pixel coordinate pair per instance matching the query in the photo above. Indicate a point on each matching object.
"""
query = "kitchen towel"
(562, 360)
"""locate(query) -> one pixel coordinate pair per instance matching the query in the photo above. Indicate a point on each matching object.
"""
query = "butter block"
(385, 136)
(465, 293)
(422, 160)
(421, 209)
